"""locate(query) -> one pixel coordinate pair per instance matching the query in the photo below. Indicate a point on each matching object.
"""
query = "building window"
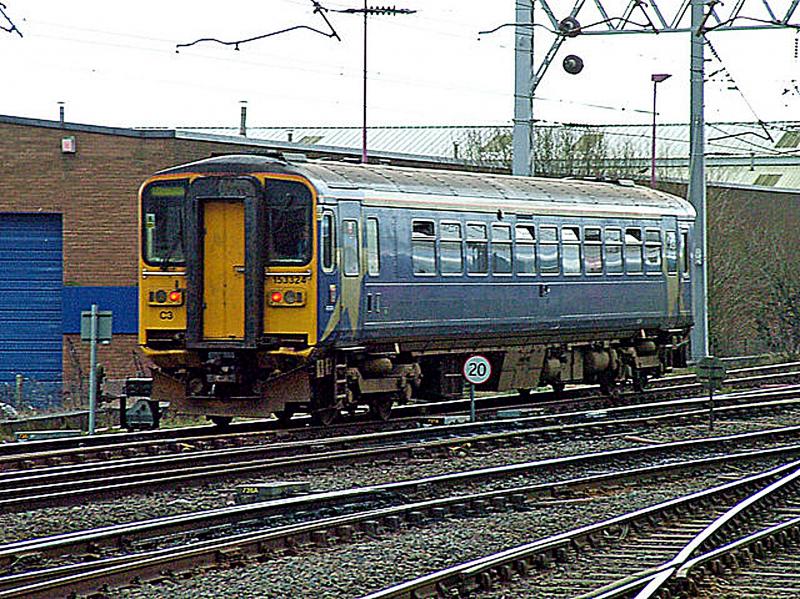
(633, 250)
(501, 250)
(451, 253)
(477, 250)
(548, 250)
(423, 247)
(525, 249)
(373, 248)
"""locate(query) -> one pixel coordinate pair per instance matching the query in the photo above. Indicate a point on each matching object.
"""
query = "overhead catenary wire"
(7, 24)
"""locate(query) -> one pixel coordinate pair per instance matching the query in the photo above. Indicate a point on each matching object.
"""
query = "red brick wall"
(95, 190)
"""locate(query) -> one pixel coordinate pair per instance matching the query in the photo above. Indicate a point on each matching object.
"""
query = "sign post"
(95, 326)
(711, 370)
(477, 370)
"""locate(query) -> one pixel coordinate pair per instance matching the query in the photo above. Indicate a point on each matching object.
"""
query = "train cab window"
(423, 247)
(162, 223)
(327, 241)
(548, 250)
(501, 249)
(373, 248)
(289, 224)
(592, 251)
(350, 266)
(633, 250)
(671, 251)
(525, 249)
(477, 249)
(652, 251)
(613, 251)
(571, 250)
(451, 252)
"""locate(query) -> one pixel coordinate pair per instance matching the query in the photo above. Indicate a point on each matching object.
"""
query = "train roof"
(456, 190)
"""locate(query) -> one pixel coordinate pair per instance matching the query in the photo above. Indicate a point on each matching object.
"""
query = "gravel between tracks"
(356, 569)
(150, 504)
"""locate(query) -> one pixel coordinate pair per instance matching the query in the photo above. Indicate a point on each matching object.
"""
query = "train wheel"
(380, 408)
(221, 421)
(325, 416)
(639, 380)
(284, 416)
(558, 387)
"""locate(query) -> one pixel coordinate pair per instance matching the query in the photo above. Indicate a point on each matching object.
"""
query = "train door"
(670, 266)
(351, 267)
(685, 269)
(225, 279)
(223, 268)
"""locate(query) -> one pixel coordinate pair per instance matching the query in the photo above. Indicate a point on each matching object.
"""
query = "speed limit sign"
(477, 369)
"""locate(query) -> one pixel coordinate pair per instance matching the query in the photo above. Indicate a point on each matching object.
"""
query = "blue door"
(30, 304)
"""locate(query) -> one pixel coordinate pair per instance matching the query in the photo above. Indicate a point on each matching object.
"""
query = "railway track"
(336, 517)
(650, 552)
(53, 450)
(27, 488)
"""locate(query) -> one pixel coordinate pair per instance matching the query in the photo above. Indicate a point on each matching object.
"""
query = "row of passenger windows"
(477, 249)
(528, 250)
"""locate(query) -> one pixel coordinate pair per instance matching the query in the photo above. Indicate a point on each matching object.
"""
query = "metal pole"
(364, 105)
(522, 138)
(471, 402)
(18, 396)
(93, 369)
(697, 186)
(653, 146)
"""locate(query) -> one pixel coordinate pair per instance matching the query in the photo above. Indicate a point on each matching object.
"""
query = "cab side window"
(327, 242)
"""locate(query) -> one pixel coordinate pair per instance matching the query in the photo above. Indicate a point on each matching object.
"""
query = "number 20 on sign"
(477, 370)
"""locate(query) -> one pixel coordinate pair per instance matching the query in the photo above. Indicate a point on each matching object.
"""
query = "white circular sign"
(477, 370)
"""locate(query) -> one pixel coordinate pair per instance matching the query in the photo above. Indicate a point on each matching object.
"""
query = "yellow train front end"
(228, 287)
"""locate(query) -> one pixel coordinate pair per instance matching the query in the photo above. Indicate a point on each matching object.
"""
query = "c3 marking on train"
(166, 315)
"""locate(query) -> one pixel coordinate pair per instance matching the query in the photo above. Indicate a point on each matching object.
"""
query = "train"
(274, 284)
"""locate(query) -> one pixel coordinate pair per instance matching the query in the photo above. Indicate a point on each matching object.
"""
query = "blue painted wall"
(122, 301)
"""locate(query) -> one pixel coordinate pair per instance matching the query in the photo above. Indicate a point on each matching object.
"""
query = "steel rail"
(24, 491)
(82, 576)
(473, 574)
(205, 431)
(9, 464)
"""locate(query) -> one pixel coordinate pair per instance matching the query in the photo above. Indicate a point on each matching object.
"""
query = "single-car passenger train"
(270, 285)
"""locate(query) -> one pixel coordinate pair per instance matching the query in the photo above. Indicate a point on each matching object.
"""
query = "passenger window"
(423, 247)
(671, 251)
(633, 250)
(327, 242)
(685, 252)
(373, 248)
(350, 248)
(451, 253)
(477, 250)
(652, 251)
(613, 251)
(501, 249)
(525, 250)
(548, 250)
(571, 250)
(592, 251)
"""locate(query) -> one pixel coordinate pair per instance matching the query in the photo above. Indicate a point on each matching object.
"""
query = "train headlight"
(175, 296)
(276, 297)
(289, 297)
(161, 296)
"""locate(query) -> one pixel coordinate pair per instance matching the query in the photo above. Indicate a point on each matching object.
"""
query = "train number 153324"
(289, 280)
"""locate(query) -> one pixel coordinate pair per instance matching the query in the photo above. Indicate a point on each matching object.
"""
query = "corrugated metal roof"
(631, 141)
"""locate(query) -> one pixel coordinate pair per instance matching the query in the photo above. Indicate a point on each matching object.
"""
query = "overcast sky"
(114, 63)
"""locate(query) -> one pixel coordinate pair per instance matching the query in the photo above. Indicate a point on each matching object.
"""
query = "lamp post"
(656, 78)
